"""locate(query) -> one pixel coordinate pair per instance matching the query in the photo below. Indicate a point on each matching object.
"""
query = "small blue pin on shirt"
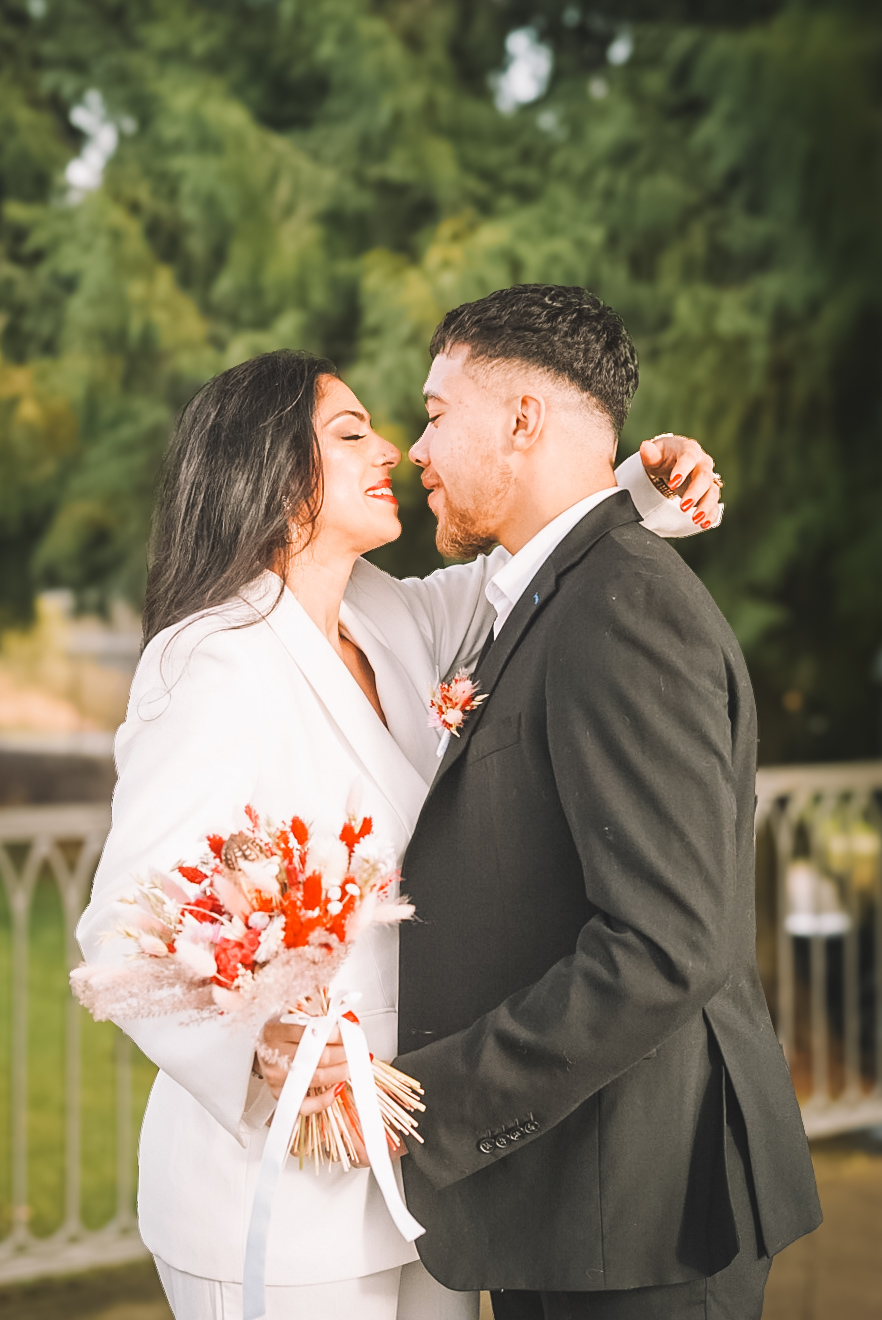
(536, 599)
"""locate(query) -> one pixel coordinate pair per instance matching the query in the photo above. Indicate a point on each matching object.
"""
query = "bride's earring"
(295, 531)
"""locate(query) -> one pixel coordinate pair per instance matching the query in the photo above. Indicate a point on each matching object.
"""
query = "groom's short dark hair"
(565, 330)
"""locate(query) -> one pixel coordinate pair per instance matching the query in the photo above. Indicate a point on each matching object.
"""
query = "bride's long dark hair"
(243, 460)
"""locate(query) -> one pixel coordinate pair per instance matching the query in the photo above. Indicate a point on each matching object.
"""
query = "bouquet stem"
(332, 1135)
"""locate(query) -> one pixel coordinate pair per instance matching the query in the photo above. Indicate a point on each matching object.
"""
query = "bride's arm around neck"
(449, 605)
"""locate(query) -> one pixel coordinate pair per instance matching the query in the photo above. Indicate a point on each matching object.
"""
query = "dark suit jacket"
(581, 975)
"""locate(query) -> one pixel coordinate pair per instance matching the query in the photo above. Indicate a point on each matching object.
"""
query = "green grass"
(132, 1292)
(48, 999)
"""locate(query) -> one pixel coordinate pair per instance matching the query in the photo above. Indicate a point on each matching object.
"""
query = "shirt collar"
(509, 582)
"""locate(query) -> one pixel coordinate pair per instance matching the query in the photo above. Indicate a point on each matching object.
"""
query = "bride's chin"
(392, 535)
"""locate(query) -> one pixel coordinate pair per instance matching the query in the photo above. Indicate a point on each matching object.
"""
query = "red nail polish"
(687, 505)
(675, 481)
(341, 1086)
(705, 526)
(697, 516)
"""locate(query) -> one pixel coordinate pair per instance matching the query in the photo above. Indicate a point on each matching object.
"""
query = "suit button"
(501, 1141)
(486, 1146)
(515, 1134)
(532, 1126)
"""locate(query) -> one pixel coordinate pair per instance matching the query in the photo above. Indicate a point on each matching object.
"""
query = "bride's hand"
(686, 469)
(278, 1047)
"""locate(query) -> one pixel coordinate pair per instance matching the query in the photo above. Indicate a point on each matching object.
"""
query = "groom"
(611, 1129)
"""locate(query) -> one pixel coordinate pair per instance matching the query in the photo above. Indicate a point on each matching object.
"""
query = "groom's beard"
(468, 530)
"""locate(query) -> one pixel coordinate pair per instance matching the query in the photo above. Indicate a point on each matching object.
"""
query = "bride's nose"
(390, 457)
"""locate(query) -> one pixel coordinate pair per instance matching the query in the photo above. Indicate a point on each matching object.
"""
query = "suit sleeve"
(639, 741)
(187, 761)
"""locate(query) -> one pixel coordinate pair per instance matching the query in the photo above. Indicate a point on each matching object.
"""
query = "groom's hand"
(685, 468)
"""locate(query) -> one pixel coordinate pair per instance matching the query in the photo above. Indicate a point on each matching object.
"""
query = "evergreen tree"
(334, 174)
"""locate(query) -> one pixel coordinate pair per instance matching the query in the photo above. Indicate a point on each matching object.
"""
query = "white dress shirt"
(509, 583)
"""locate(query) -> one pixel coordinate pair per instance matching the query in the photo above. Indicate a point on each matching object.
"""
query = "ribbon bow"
(281, 1134)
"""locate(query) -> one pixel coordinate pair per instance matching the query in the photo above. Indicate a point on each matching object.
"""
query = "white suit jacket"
(220, 716)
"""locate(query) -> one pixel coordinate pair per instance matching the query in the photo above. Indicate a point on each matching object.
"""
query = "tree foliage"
(334, 174)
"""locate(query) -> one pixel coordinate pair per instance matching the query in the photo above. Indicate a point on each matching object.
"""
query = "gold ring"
(718, 480)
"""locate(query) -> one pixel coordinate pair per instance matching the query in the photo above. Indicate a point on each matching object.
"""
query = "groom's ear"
(528, 421)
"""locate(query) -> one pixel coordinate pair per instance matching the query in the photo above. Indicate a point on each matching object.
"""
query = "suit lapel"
(345, 704)
(611, 513)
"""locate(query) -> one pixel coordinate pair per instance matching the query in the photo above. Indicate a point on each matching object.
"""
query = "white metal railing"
(61, 844)
(819, 831)
(819, 843)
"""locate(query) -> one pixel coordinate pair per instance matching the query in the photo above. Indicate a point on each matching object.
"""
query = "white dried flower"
(198, 932)
(372, 861)
(235, 929)
(272, 939)
(328, 856)
(230, 893)
(261, 874)
(152, 945)
(198, 958)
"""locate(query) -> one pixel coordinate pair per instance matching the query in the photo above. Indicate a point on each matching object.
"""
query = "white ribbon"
(281, 1134)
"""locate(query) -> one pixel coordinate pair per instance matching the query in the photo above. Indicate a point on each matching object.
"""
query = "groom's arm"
(639, 735)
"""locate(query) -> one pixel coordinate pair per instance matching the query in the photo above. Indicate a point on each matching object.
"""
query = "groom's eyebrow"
(430, 394)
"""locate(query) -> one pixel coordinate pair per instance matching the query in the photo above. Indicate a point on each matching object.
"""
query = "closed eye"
(352, 437)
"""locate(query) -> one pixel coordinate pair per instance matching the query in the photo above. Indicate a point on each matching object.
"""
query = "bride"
(283, 670)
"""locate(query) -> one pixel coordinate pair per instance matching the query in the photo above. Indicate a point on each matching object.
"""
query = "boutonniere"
(451, 703)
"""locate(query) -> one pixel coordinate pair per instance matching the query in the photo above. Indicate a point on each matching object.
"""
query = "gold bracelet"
(661, 486)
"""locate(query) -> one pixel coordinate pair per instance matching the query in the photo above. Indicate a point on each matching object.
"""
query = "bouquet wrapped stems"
(331, 1135)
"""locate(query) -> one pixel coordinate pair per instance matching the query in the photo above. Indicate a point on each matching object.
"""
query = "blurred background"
(186, 183)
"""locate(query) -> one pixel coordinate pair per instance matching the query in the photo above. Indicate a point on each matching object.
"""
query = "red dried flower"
(300, 831)
(230, 955)
(351, 836)
(312, 891)
(283, 848)
(192, 873)
(205, 907)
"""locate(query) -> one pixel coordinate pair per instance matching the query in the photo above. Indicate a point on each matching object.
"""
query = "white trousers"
(406, 1293)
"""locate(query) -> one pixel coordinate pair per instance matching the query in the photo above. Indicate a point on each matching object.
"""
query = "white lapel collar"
(344, 702)
(404, 704)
